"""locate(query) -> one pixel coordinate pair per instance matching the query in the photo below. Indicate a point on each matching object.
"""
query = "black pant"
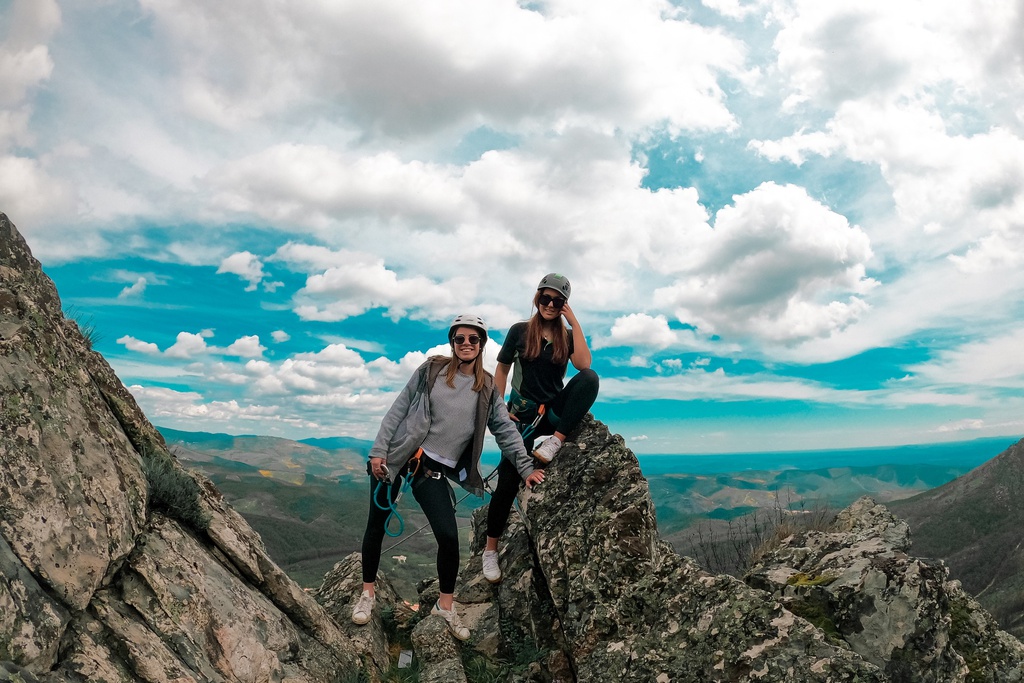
(568, 408)
(435, 498)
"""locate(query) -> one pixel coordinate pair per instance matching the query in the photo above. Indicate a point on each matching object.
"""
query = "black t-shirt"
(539, 379)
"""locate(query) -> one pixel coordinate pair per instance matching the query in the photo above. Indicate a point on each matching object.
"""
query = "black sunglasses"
(461, 339)
(556, 301)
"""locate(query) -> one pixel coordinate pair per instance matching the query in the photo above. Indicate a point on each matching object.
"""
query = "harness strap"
(518, 403)
(526, 430)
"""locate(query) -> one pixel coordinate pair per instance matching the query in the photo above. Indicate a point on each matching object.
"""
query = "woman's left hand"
(536, 477)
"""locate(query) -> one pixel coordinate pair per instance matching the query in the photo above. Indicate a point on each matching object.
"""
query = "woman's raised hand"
(570, 317)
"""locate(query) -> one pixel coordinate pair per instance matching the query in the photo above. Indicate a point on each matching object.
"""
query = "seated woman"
(538, 352)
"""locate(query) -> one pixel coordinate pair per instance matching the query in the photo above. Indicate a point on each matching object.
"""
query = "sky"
(788, 224)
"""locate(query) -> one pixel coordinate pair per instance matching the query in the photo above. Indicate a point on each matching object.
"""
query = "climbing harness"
(519, 405)
(411, 468)
(487, 480)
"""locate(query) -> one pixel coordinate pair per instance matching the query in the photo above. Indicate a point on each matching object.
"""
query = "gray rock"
(856, 582)
(440, 661)
(95, 586)
(338, 593)
(591, 593)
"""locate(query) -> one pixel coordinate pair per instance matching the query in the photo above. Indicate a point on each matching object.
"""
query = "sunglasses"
(556, 301)
(461, 339)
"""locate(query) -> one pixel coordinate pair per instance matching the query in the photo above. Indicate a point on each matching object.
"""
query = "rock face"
(856, 581)
(630, 609)
(94, 584)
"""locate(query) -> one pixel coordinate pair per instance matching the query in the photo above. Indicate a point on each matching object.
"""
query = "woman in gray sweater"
(433, 432)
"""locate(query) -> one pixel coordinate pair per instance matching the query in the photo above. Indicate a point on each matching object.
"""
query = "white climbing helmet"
(468, 320)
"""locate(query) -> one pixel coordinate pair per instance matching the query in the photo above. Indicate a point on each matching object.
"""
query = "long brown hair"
(535, 336)
(479, 374)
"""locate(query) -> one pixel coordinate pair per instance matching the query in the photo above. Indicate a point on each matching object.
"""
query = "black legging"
(568, 408)
(435, 498)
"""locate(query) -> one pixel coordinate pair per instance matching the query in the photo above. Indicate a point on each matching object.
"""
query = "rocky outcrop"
(630, 609)
(591, 593)
(856, 581)
(95, 585)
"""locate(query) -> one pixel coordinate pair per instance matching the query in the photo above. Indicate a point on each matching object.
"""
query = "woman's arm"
(580, 357)
(507, 436)
(501, 379)
(396, 413)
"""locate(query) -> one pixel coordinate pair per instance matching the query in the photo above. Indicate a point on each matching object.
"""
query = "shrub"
(173, 492)
(86, 325)
(749, 538)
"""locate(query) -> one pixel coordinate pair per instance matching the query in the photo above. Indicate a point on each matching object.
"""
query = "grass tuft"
(173, 492)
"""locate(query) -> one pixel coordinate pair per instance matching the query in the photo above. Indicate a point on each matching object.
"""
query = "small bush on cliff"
(86, 325)
(173, 492)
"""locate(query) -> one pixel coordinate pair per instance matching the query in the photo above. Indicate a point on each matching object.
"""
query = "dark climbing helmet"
(468, 320)
(556, 281)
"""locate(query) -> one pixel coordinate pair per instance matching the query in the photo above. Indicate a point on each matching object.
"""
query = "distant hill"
(333, 443)
(275, 458)
(975, 523)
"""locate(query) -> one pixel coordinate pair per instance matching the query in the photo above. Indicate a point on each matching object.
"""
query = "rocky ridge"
(96, 584)
(591, 593)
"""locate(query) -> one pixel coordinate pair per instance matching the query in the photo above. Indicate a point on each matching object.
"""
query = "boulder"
(855, 581)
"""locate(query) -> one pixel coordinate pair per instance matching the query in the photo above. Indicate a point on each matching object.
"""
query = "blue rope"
(392, 506)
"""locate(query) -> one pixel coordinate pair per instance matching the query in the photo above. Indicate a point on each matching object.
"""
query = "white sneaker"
(546, 451)
(363, 609)
(454, 623)
(492, 570)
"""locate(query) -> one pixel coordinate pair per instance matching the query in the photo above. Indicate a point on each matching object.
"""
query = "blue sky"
(789, 224)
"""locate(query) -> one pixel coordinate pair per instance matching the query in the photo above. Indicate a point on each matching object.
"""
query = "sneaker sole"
(360, 623)
(493, 581)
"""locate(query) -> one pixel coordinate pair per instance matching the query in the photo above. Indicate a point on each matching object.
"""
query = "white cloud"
(280, 336)
(992, 361)
(406, 70)
(733, 9)
(133, 344)
(640, 329)
(779, 266)
(187, 345)
(360, 282)
(25, 60)
(962, 426)
(246, 347)
(835, 52)
(418, 159)
(246, 266)
(134, 290)
(32, 196)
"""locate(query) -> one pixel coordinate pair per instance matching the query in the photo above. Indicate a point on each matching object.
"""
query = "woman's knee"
(447, 540)
(589, 379)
